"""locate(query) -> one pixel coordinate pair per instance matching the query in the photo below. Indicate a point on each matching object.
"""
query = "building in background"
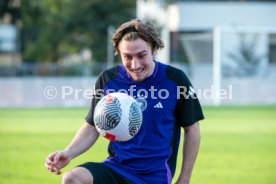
(189, 25)
(9, 34)
(220, 43)
(9, 45)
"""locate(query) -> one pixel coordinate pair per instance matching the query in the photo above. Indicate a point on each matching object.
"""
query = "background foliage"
(52, 29)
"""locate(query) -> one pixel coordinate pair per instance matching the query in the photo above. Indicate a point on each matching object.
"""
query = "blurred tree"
(10, 8)
(52, 29)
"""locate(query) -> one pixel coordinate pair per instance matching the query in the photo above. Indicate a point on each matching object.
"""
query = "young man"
(168, 103)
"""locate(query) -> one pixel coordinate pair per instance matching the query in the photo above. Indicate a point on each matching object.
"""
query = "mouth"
(137, 71)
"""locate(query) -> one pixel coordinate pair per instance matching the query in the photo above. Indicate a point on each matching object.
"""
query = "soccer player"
(168, 102)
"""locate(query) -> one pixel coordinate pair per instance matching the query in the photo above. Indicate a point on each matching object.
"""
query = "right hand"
(57, 160)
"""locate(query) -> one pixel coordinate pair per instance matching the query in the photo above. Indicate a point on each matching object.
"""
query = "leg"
(78, 175)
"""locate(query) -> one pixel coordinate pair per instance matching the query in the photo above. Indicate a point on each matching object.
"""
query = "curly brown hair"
(135, 29)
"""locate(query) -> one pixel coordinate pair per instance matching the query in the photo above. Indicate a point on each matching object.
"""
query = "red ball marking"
(110, 136)
(108, 98)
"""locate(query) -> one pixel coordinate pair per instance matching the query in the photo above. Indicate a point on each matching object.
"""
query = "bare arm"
(190, 150)
(86, 136)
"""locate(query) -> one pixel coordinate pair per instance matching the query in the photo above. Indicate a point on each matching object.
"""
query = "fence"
(77, 91)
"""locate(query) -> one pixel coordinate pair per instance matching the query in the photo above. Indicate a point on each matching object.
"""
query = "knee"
(76, 176)
(69, 178)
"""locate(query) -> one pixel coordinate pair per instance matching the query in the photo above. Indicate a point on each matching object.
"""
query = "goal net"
(239, 61)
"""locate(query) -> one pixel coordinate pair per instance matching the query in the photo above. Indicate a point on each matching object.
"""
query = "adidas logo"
(158, 105)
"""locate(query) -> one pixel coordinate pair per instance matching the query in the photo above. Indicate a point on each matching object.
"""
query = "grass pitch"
(238, 144)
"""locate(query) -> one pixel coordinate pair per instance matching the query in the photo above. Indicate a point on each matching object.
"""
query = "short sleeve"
(98, 93)
(188, 109)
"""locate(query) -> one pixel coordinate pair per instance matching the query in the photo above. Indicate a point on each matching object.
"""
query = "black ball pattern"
(111, 114)
(135, 119)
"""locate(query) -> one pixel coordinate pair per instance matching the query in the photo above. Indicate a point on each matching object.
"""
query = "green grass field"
(238, 144)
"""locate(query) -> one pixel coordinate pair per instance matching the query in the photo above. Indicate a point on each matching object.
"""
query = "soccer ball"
(118, 117)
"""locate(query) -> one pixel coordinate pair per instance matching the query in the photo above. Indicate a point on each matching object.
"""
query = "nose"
(135, 64)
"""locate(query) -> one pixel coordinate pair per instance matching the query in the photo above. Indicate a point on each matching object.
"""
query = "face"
(137, 58)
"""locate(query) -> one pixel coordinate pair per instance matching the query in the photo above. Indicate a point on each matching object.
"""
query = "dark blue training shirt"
(168, 102)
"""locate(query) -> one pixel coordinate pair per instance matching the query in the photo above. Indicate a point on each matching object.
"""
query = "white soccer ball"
(118, 117)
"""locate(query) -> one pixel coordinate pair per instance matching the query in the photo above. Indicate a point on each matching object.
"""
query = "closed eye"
(141, 56)
(128, 57)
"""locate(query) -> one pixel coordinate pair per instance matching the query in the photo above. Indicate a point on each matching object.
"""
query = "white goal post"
(218, 33)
